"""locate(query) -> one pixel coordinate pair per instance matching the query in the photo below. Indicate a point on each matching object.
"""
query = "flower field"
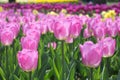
(59, 42)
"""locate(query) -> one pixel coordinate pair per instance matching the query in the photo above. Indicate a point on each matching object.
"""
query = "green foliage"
(62, 63)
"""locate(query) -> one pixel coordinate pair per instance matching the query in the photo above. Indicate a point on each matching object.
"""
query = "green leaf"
(113, 77)
(118, 77)
(2, 74)
(16, 78)
(42, 70)
(96, 73)
(48, 74)
(105, 74)
(71, 73)
(23, 75)
(56, 70)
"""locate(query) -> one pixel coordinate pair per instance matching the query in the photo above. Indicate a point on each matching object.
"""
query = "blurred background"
(84, 1)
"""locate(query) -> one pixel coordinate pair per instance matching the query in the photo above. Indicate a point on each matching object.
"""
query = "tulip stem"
(63, 60)
(7, 68)
(105, 71)
(91, 73)
(30, 75)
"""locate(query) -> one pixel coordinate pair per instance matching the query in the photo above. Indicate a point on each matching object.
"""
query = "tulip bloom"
(43, 27)
(29, 43)
(86, 33)
(6, 37)
(61, 30)
(14, 27)
(75, 27)
(69, 40)
(112, 29)
(27, 59)
(34, 34)
(108, 46)
(99, 30)
(91, 54)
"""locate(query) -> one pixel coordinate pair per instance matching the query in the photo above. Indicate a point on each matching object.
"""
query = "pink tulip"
(75, 27)
(118, 25)
(84, 19)
(6, 37)
(112, 29)
(61, 30)
(26, 12)
(52, 44)
(43, 27)
(99, 30)
(14, 27)
(34, 33)
(91, 54)
(108, 46)
(86, 33)
(50, 24)
(13, 18)
(27, 59)
(92, 22)
(26, 19)
(29, 43)
(69, 40)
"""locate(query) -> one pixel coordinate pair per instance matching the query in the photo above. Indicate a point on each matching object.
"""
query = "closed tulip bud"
(91, 54)
(52, 44)
(27, 59)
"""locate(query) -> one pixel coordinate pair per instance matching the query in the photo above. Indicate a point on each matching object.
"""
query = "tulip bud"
(52, 44)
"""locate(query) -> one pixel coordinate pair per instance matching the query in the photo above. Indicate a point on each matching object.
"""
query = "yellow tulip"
(64, 11)
(53, 13)
(35, 12)
(1, 9)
